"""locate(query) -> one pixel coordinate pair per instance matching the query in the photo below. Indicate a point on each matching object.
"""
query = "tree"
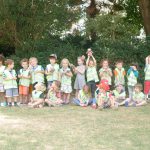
(145, 12)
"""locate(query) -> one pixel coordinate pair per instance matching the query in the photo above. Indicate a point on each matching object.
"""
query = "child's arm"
(146, 60)
(94, 60)
(69, 74)
(110, 72)
(81, 71)
(87, 61)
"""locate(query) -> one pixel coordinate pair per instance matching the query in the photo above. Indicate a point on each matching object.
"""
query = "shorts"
(1, 88)
(23, 90)
(30, 89)
(13, 92)
(146, 87)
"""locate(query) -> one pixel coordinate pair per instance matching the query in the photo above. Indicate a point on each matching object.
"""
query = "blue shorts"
(11, 92)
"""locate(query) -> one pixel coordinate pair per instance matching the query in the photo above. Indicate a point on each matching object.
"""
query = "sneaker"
(10, 104)
(15, 104)
(126, 104)
(4, 104)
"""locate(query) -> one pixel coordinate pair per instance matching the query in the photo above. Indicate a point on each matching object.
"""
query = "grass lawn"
(74, 128)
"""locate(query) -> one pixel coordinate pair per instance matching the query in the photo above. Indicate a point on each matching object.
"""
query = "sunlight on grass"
(74, 128)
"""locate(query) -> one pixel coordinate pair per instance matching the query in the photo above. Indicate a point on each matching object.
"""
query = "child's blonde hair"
(33, 58)
(65, 59)
(139, 86)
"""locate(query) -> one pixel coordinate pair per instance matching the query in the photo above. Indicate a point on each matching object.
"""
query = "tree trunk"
(145, 12)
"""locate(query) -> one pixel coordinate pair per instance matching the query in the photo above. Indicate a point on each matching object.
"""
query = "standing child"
(105, 72)
(85, 98)
(66, 74)
(91, 72)
(37, 99)
(37, 71)
(119, 73)
(24, 81)
(53, 98)
(2, 95)
(138, 97)
(147, 77)
(105, 98)
(80, 75)
(52, 70)
(10, 83)
(132, 76)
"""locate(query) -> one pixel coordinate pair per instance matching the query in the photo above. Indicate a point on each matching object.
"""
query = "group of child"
(89, 89)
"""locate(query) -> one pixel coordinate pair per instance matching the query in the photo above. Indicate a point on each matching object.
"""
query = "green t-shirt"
(53, 76)
(65, 80)
(37, 77)
(23, 81)
(8, 84)
(106, 75)
(2, 68)
(138, 97)
(83, 97)
(52, 96)
(91, 74)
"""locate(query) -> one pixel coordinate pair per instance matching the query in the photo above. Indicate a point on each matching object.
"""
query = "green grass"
(74, 128)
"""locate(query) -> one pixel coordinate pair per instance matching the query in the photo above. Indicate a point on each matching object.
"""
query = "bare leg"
(38, 102)
(2, 97)
(67, 97)
(77, 92)
(141, 103)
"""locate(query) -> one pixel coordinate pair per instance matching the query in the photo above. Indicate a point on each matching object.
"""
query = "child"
(52, 70)
(53, 98)
(85, 98)
(119, 73)
(147, 77)
(119, 94)
(80, 75)
(138, 97)
(37, 99)
(65, 74)
(105, 72)
(91, 72)
(105, 98)
(37, 71)
(132, 76)
(2, 68)
(24, 81)
(10, 83)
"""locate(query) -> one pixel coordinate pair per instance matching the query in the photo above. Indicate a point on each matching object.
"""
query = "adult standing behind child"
(91, 72)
